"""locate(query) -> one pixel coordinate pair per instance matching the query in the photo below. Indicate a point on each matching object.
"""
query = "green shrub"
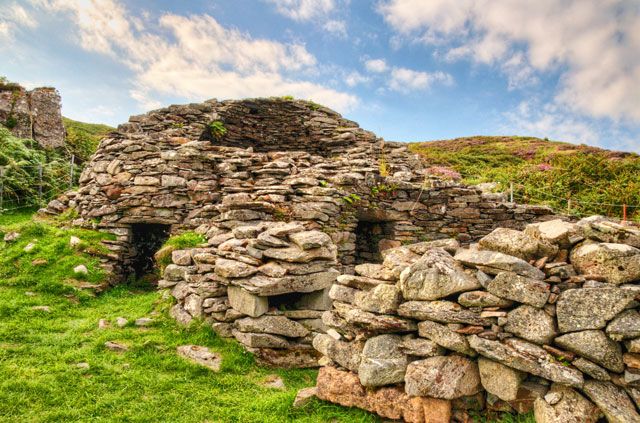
(217, 129)
(21, 159)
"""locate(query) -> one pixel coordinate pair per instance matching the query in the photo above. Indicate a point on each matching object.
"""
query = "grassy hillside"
(544, 172)
(49, 324)
(83, 138)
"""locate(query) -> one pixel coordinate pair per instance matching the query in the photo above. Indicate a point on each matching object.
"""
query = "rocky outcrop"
(34, 114)
(530, 332)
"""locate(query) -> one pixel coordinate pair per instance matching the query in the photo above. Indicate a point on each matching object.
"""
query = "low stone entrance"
(146, 240)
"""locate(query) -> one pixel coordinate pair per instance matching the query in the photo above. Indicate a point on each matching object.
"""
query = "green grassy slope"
(39, 351)
(544, 172)
(83, 138)
(40, 380)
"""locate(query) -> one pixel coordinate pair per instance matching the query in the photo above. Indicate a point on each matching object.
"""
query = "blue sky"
(409, 70)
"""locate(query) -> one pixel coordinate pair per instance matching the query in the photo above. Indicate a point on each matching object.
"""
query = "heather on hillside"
(575, 179)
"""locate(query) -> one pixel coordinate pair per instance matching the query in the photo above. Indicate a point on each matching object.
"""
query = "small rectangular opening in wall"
(147, 239)
(371, 238)
(285, 301)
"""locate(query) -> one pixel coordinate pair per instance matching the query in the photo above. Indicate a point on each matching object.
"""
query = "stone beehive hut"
(544, 320)
(288, 195)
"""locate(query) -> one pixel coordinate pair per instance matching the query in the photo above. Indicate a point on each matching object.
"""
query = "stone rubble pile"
(546, 319)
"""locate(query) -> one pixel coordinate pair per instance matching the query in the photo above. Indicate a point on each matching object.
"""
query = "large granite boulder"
(445, 337)
(612, 400)
(527, 357)
(564, 405)
(435, 275)
(492, 262)
(446, 377)
(520, 288)
(500, 380)
(557, 232)
(594, 345)
(590, 308)
(532, 324)
(615, 263)
(518, 244)
(382, 362)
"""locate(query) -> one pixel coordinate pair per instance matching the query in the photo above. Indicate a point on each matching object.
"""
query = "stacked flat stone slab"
(266, 284)
(545, 319)
(277, 160)
(37, 114)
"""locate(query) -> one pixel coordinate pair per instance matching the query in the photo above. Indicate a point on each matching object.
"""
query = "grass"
(39, 351)
(545, 172)
(83, 138)
(185, 240)
(40, 380)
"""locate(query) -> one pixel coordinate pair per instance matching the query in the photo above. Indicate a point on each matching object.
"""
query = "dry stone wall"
(546, 319)
(292, 160)
(288, 195)
(34, 114)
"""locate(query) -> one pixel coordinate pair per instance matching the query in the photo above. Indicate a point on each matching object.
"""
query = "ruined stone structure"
(288, 195)
(34, 114)
(545, 320)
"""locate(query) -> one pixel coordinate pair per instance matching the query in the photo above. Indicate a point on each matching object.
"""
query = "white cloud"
(13, 18)
(547, 121)
(5, 30)
(195, 57)
(304, 10)
(336, 27)
(407, 80)
(355, 78)
(376, 65)
(593, 44)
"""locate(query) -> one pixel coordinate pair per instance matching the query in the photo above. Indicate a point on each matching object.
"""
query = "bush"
(21, 159)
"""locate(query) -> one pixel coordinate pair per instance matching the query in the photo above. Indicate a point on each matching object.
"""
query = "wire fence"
(516, 193)
(45, 184)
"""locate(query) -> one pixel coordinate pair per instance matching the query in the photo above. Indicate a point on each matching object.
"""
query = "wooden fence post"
(1, 189)
(39, 184)
(73, 159)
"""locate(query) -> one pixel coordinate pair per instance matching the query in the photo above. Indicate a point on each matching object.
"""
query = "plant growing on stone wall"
(352, 199)
(323, 184)
(314, 106)
(287, 97)
(217, 129)
(383, 190)
(282, 214)
(383, 166)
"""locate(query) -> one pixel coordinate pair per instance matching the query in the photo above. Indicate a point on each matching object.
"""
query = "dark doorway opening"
(147, 239)
(371, 238)
(285, 301)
